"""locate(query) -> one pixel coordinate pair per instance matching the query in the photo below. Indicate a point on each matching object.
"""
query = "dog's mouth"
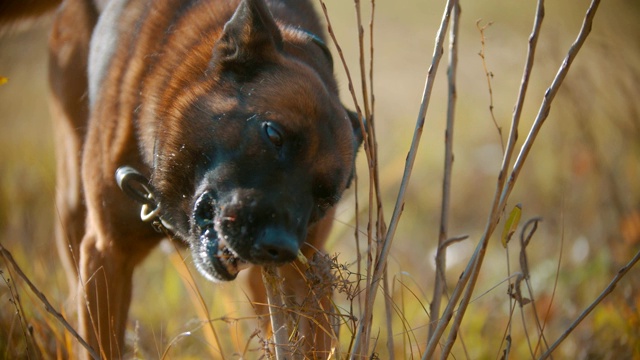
(223, 260)
(213, 255)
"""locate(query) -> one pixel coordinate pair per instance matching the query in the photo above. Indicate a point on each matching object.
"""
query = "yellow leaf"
(511, 225)
(3, 80)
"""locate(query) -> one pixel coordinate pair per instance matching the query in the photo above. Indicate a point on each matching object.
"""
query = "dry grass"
(581, 177)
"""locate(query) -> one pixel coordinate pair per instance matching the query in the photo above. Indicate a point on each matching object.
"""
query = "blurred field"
(582, 178)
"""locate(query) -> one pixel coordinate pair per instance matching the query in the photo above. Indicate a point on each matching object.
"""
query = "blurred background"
(582, 178)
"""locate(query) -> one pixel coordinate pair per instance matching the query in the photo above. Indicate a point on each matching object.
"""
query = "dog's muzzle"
(213, 256)
(232, 237)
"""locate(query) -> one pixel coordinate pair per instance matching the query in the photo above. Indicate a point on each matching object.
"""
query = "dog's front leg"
(107, 262)
(104, 294)
(115, 242)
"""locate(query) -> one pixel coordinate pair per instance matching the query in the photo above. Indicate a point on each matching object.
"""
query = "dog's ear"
(357, 132)
(249, 38)
(355, 124)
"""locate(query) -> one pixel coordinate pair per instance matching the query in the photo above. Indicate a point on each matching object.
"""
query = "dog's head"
(259, 153)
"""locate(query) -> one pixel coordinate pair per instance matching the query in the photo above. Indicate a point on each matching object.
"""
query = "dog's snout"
(248, 225)
(275, 245)
(204, 210)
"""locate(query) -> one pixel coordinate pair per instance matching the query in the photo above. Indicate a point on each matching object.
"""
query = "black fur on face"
(255, 154)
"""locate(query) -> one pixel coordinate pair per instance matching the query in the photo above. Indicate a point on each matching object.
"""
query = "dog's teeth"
(230, 258)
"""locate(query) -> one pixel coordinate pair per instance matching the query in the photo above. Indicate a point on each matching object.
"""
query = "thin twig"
(31, 348)
(381, 227)
(549, 96)
(409, 332)
(524, 151)
(47, 305)
(489, 76)
(373, 98)
(362, 333)
(276, 305)
(473, 267)
(608, 290)
(388, 304)
(367, 144)
(454, 240)
(441, 252)
(524, 85)
(363, 127)
(555, 285)
(374, 192)
(506, 336)
(363, 77)
(516, 212)
(174, 340)
(495, 212)
(524, 265)
(195, 295)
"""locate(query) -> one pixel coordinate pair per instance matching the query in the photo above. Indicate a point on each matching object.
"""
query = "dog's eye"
(273, 133)
(325, 204)
(326, 197)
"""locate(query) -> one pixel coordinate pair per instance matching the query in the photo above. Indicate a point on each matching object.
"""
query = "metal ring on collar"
(135, 185)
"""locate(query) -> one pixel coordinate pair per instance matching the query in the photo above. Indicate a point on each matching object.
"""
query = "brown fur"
(13, 11)
(176, 100)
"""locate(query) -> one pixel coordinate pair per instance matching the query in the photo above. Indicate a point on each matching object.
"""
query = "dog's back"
(14, 11)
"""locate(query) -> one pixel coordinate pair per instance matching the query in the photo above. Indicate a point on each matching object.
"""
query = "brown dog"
(230, 109)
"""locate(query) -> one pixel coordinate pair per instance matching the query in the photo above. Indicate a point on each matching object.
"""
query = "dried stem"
(374, 179)
(489, 76)
(196, 299)
(373, 98)
(14, 298)
(279, 326)
(445, 244)
(363, 76)
(495, 212)
(555, 285)
(370, 147)
(608, 290)
(388, 305)
(47, 305)
(549, 95)
(524, 266)
(363, 331)
(365, 128)
(470, 274)
(441, 252)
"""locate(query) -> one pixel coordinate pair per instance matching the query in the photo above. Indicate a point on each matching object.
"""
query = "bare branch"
(549, 95)
(196, 297)
(47, 305)
(608, 290)
(441, 253)
(276, 305)
(470, 274)
(489, 76)
(380, 264)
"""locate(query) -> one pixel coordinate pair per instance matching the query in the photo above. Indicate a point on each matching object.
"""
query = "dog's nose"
(275, 245)
(204, 210)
